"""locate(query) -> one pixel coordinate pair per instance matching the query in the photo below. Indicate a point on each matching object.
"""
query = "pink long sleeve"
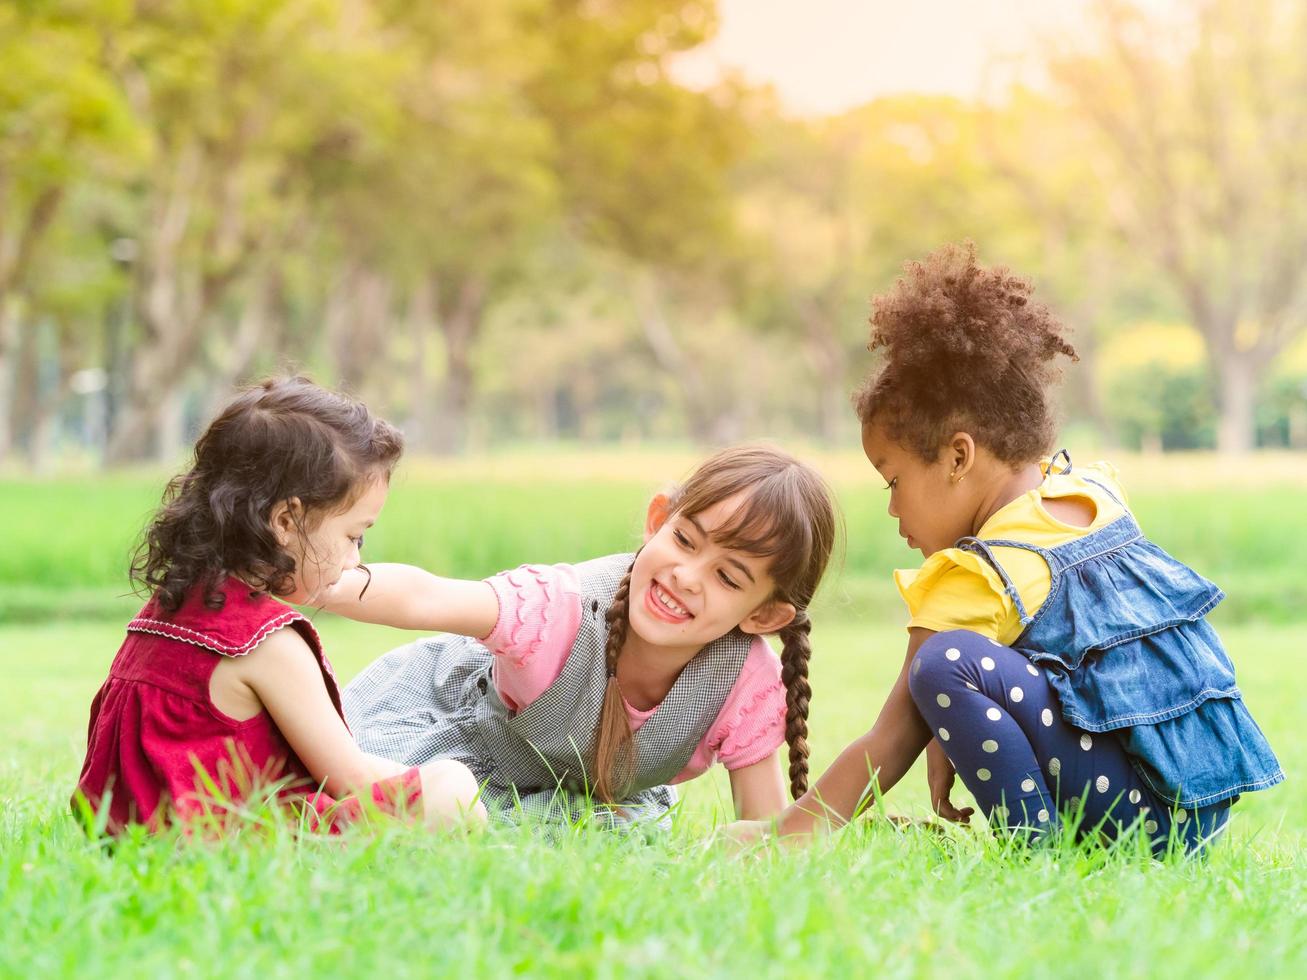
(539, 617)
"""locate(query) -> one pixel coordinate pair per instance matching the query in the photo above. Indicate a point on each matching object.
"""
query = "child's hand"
(741, 834)
(939, 776)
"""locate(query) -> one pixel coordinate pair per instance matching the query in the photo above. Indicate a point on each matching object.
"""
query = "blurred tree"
(243, 102)
(1204, 118)
(61, 118)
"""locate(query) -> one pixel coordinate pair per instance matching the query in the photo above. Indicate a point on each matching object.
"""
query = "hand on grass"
(940, 775)
(742, 834)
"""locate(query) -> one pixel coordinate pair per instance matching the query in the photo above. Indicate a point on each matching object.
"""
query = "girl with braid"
(1058, 661)
(612, 680)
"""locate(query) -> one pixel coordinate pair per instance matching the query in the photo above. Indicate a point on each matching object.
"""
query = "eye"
(681, 538)
(358, 542)
(892, 484)
(730, 582)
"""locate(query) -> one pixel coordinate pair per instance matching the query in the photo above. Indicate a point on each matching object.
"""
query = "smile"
(660, 602)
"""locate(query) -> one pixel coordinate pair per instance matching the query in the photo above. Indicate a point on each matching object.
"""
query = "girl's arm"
(411, 598)
(758, 790)
(284, 675)
(885, 753)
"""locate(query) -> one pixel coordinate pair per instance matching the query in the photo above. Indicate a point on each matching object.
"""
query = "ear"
(286, 517)
(769, 617)
(660, 508)
(961, 456)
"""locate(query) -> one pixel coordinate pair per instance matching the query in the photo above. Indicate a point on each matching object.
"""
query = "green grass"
(396, 902)
(68, 541)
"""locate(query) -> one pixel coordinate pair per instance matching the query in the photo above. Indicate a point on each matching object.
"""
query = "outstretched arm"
(758, 790)
(410, 598)
(285, 677)
(885, 753)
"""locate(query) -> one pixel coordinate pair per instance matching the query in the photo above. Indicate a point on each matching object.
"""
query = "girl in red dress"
(220, 694)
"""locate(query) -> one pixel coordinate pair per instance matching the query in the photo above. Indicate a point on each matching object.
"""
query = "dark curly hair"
(279, 439)
(965, 349)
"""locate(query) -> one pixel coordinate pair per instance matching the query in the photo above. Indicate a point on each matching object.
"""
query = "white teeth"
(668, 602)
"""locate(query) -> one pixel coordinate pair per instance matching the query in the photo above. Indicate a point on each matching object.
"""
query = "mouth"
(663, 605)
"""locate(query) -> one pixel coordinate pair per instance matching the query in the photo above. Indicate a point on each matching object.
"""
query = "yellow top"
(956, 589)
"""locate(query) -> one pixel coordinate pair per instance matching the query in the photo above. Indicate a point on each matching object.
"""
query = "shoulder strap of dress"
(600, 577)
(983, 549)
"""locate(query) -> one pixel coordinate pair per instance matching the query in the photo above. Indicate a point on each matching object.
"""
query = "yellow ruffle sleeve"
(956, 589)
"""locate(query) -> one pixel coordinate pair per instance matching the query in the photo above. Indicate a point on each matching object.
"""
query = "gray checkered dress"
(436, 698)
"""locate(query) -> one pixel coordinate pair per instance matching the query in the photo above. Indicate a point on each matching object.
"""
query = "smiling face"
(688, 590)
(330, 547)
(931, 509)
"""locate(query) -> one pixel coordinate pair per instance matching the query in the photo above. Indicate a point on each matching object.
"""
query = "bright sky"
(825, 56)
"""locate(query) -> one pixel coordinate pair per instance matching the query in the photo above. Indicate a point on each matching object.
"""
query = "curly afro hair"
(965, 349)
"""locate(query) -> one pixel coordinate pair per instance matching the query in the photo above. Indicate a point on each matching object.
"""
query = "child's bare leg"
(450, 795)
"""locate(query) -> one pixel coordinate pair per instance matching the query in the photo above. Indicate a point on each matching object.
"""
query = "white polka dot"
(1027, 785)
(1181, 816)
(943, 700)
(999, 813)
(983, 775)
(1150, 826)
(953, 653)
(1016, 695)
(987, 663)
(993, 714)
(1042, 816)
(972, 686)
(1135, 796)
(1101, 784)
(1086, 742)
(1055, 766)
(916, 666)
(989, 745)
(1046, 717)
(1031, 668)
(943, 734)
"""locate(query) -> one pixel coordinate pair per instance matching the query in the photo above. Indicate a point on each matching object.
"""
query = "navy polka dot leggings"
(997, 718)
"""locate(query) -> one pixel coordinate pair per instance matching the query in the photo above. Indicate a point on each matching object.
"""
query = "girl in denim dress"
(1058, 661)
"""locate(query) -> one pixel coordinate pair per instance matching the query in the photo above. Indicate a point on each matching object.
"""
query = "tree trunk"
(674, 361)
(826, 355)
(422, 411)
(1237, 378)
(459, 321)
(8, 341)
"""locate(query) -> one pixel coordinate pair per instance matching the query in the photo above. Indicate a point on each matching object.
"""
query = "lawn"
(872, 900)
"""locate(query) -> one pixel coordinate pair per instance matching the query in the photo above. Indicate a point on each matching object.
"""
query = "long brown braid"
(786, 514)
(795, 653)
(614, 755)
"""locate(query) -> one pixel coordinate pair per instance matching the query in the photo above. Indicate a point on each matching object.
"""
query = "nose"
(686, 576)
(893, 510)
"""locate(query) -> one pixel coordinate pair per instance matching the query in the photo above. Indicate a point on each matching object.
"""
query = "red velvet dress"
(154, 727)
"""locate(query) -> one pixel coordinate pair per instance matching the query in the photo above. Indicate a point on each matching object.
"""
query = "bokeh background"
(567, 245)
(636, 222)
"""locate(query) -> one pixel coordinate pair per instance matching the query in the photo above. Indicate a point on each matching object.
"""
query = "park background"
(568, 245)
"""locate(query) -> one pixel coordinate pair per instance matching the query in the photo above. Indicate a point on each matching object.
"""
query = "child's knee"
(450, 794)
(936, 667)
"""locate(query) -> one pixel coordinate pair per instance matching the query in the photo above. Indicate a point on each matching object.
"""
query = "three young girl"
(1057, 660)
